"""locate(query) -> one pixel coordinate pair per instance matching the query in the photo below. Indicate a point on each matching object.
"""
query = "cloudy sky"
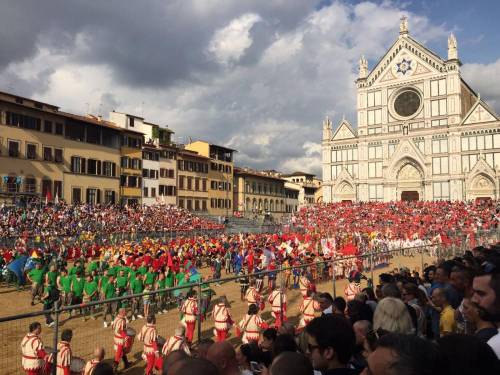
(255, 75)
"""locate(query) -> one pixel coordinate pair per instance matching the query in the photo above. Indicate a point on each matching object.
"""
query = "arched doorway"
(482, 187)
(409, 179)
(345, 192)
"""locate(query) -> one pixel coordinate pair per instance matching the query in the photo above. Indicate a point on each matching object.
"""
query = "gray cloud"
(268, 102)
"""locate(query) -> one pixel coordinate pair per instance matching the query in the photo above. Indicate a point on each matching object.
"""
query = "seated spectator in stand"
(468, 355)
(447, 323)
(289, 363)
(391, 315)
(331, 343)
(482, 329)
(399, 354)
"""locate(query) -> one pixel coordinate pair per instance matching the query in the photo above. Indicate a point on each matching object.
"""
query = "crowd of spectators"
(402, 220)
(75, 220)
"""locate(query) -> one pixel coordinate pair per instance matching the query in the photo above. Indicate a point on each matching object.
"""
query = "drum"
(129, 340)
(77, 366)
(160, 340)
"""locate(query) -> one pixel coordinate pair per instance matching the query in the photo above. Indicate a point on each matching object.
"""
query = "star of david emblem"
(403, 66)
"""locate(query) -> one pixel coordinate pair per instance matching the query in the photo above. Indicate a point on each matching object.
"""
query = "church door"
(409, 196)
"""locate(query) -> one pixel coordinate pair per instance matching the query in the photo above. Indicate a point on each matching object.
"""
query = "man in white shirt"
(325, 303)
(486, 295)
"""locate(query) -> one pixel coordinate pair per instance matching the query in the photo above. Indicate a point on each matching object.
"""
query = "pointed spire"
(363, 67)
(452, 47)
(403, 26)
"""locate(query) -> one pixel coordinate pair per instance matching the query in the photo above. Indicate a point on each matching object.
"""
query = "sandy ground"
(90, 334)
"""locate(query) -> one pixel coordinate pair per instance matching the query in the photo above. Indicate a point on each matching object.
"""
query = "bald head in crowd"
(193, 366)
(291, 363)
(223, 356)
(172, 358)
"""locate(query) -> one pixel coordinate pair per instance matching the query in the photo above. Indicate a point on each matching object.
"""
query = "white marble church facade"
(422, 132)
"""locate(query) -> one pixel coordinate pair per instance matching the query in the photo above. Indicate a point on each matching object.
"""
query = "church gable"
(406, 59)
(344, 131)
(480, 112)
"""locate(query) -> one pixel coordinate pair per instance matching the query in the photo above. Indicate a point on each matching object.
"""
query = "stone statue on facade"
(363, 67)
(403, 25)
(452, 47)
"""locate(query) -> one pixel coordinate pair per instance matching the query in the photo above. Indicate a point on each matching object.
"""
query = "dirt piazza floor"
(90, 334)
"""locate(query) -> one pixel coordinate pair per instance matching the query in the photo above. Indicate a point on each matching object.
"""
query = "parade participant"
(33, 351)
(51, 276)
(250, 326)
(304, 283)
(137, 287)
(189, 309)
(161, 297)
(222, 318)
(91, 365)
(64, 353)
(252, 296)
(244, 282)
(119, 327)
(109, 292)
(50, 297)
(308, 308)
(149, 336)
(35, 276)
(89, 295)
(259, 278)
(277, 299)
(77, 284)
(147, 298)
(176, 342)
(354, 286)
(64, 286)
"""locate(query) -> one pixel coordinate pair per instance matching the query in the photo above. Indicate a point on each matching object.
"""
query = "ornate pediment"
(481, 168)
(344, 131)
(344, 176)
(407, 153)
(405, 59)
(479, 112)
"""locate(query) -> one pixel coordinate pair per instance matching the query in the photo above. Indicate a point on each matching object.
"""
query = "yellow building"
(257, 192)
(131, 168)
(192, 180)
(45, 152)
(220, 176)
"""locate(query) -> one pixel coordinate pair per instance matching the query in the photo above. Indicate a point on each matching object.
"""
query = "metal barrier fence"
(89, 334)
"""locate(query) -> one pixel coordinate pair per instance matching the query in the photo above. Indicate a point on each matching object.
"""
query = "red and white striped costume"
(275, 299)
(190, 311)
(148, 336)
(308, 308)
(90, 366)
(304, 285)
(33, 354)
(351, 290)
(175, 343)
(252, 296)
(119, 326)
(223, 321)
(63, 358)
(250, 327)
